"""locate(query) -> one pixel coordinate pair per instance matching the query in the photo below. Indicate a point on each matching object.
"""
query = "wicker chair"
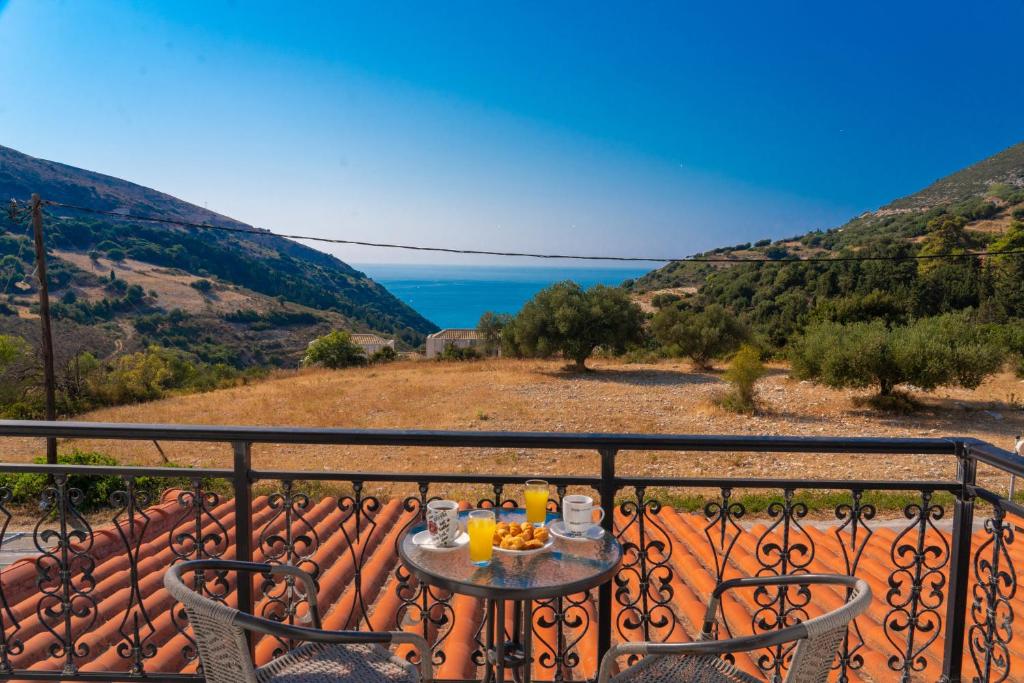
(817, 642)
(335, 656)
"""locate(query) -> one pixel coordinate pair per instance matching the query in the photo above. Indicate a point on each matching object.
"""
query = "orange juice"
(536, 501)
(480, 527)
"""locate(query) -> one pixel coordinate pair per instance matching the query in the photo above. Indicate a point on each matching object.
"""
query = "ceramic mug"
(578, 514)
(443, 522)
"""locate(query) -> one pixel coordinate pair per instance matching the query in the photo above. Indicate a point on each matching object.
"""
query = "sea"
(457, 295)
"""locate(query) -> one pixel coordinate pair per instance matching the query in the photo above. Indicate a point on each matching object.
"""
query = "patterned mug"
(443, 522)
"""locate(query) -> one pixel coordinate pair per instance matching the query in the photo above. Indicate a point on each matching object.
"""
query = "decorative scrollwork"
(853, 534)
(565, 615)
(363, 509)
(289, 538)
(992, 610)
(10, 644)
(783, 548)
(919, 555)
(420, 604)
(64, 571)
(198, 534)
(131, 522)
(723, 530)
(643, 584)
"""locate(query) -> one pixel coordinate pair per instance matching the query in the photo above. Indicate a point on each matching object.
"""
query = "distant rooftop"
(453, 333)
(368, 339)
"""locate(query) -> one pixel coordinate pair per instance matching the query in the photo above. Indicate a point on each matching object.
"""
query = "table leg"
(499, 628)
(489, 640)
(527, 640)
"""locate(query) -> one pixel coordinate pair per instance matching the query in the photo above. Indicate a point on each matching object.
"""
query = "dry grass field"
(498, 395)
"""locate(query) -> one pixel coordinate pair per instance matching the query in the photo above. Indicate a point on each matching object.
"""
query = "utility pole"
(44, 317)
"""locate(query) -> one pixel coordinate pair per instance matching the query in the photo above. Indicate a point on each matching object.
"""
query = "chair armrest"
(701, 647)
(263, 568)
(710, 616)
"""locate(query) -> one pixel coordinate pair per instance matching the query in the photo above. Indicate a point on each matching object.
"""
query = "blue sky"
(625, 128)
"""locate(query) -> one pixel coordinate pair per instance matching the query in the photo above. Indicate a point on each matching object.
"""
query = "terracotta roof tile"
(342, 541)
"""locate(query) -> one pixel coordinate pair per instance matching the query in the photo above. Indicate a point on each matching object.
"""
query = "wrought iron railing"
(960, 583)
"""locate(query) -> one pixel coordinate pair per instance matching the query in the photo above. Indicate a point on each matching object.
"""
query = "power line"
(693, 259)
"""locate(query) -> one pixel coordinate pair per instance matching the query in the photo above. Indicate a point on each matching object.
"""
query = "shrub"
(744, 371)
(202, 286)
(665, 299)
(27, 488)
(384, 354)
(564, 318)
(334, 350)
(454, 353)
(702, 336)
(116, 254)
(947, 350)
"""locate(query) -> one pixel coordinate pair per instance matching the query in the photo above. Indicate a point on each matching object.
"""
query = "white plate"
(424, 540)
(533, 551)
(594, 533)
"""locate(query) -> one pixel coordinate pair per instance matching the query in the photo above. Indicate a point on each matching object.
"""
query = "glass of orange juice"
(536, 501)
(480, 527)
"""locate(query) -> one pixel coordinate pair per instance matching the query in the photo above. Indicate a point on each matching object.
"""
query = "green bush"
(334, 350)
(385, 354)
(744, 371)
(454, 353)
(700, 335)
(27, 488)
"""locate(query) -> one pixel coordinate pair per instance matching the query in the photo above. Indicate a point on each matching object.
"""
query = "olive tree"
(702, 336)
(490, 328)
(946, 350)
(334, 350)
(564, 318)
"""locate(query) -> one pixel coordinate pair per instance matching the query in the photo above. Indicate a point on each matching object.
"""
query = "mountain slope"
(1006, 167)
(978, 208)
(247, 299)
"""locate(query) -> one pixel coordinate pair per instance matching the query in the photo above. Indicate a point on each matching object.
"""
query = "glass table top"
(568, 566)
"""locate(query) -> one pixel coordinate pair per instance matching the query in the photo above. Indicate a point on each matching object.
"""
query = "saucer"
(558, 528)
(424, 540)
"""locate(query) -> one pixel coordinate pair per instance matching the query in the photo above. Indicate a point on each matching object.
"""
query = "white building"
(461, 338)
(371, 343)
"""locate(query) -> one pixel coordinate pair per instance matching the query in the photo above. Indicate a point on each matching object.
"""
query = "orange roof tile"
(341, 542)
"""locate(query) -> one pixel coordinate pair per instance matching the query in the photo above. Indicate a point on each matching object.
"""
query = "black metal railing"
(949, 592)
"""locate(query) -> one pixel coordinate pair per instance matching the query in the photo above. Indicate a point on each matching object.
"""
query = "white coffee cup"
(443, 522)
(578, 514)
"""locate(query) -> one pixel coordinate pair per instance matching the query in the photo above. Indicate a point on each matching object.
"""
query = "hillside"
(226, 297)
(978, 208)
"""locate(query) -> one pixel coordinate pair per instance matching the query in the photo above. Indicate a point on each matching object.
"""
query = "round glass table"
(567, 567)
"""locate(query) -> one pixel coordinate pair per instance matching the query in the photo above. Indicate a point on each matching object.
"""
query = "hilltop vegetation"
(978, 209)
